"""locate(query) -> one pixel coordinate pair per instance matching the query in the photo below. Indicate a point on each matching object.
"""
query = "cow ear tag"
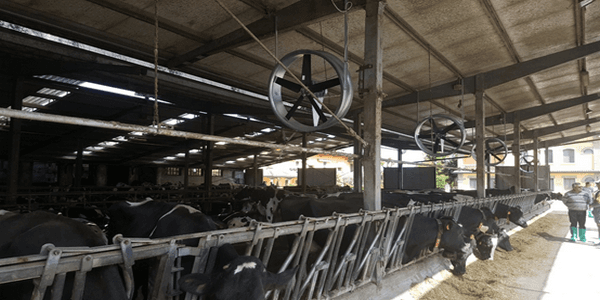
(447, 226)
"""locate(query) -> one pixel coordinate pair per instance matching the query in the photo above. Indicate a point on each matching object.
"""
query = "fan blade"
(315, 88)
(294, 107)
(306, 69)
(294, 87)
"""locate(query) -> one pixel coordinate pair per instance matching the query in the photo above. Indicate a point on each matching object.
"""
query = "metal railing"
(358, 248)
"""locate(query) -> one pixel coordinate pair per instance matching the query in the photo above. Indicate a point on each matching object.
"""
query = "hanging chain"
(155, 121)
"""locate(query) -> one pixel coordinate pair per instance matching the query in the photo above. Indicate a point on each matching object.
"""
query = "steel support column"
(15, 141)
(373, 78)
(547, 151)
(480, 135)
(208, 155)
(186, 167)
(516, 150)
(358, 150)
(304, 157)
(400, 170)
(535, 162)
(79, 163)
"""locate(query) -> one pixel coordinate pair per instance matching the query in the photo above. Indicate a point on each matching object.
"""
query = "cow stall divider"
(375, 248)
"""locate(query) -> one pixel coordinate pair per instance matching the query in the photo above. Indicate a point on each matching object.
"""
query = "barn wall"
(320, 177)
(414, 178)
(227, 176)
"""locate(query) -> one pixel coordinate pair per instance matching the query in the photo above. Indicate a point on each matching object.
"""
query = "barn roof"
(538, 59)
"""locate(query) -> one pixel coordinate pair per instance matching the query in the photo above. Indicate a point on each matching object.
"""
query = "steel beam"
(516, 151)
(560, 141)
(553, 129)
(534, 112)
(289, 18)
(499, 76)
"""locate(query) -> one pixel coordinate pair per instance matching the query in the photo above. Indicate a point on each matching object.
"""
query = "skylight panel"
(37, 100)
(53, 92)
(109, 89)
(108, 144)
(172, 121)
(59, 79)
(188, 116)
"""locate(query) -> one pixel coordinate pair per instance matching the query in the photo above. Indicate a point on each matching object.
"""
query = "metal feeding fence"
(359, 248)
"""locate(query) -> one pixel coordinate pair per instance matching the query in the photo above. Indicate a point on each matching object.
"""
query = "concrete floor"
(576, 270)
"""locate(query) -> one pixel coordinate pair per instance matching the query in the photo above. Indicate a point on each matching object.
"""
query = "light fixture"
(588, 111)
(584, 3)
(588, 128)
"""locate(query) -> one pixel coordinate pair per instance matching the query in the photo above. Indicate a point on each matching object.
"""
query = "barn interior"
(537, 62)
(151, 84)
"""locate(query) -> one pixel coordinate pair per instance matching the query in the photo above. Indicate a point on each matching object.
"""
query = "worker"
(595, 207)
(588, 188)
(577, 201)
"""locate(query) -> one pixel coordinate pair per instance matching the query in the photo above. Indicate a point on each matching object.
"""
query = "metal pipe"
(42, 117)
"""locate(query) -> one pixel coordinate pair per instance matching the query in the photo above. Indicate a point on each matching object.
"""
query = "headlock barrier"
(378, 241)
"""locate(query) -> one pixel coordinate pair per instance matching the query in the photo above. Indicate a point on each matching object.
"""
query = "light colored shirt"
(577, 201)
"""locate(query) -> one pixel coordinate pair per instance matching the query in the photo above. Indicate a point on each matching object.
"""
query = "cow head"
(245, 277)
(504, 241)
(516, 216)
(457, 247)
(485, 246)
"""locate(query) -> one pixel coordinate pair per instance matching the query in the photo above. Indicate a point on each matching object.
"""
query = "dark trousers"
(577, 216)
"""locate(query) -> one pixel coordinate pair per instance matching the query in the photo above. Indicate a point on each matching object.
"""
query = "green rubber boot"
(573, 234)
(582, 234)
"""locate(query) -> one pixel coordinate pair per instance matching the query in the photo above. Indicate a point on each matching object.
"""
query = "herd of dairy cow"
(476, 231)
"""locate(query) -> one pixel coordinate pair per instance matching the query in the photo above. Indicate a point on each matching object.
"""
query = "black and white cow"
(424, 233)
(444, 233)
(158, 219)
(25, 234)
(503, 237)
(235, 277)
(155, 219)
(263, 200)
(482, 229)
(510, 213)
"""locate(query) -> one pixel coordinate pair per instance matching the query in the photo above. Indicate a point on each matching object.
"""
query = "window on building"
(217, 173)
(589, 179)
(569, 156)
(194, 172)
(550, 160)
(173, 171)
(552, 184)
(473, 183)
(588, 151)
(568, 183)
